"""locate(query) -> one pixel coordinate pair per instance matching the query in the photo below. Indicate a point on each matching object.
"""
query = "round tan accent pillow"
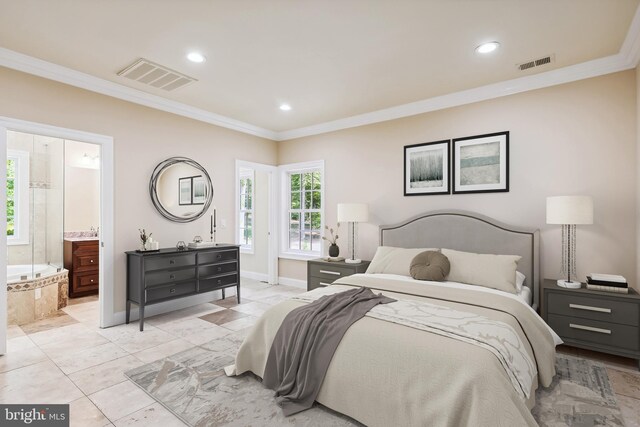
(430, 265)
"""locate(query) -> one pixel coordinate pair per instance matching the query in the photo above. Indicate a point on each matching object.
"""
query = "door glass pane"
(306, 241)
(316, 180)
(295, 200)
(307, 199)
(295, 182)
(308, 178)
(294, 239)
(316, 200)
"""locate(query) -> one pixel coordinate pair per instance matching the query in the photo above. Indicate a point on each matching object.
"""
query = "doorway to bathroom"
(58, 210)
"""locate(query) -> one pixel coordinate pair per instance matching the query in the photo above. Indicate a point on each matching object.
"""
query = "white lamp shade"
(353, 212)
(572, 210)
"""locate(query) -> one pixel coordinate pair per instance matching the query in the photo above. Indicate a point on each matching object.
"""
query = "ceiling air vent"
(536, 63)
(150, 73)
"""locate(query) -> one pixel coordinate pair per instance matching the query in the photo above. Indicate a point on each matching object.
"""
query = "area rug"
(193, 386)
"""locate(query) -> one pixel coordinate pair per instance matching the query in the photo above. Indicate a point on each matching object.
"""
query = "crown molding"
(48, 70)
(627, 58)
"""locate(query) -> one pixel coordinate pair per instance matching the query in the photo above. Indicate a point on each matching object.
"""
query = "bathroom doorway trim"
(106, 287)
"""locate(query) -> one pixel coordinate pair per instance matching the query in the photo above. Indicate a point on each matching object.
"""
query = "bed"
(395, 368)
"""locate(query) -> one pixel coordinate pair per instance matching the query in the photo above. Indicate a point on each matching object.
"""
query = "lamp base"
(570, 285)
(352, 261)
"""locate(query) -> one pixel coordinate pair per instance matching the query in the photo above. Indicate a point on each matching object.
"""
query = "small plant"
(333, 238)
(143, 236)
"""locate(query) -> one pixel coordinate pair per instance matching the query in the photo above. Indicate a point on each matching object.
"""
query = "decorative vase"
(143, 246)
(334, 250)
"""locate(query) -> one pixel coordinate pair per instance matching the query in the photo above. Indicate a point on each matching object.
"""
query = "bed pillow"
(430, 265)
(390, 260)
(490, 271)
(520, 279)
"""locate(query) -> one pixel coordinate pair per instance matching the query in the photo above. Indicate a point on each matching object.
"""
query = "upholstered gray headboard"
(470, 232)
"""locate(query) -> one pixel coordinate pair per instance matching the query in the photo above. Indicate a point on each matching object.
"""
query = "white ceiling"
(328, 59)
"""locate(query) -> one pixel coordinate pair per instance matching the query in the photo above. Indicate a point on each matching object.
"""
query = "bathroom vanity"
(168, 274)
(81, 258)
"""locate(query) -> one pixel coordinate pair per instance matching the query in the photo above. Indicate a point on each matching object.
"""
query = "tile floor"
(66, 358)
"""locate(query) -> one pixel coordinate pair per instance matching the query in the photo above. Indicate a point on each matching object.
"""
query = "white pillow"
(490, 271)
(390, 260)
(520, 278)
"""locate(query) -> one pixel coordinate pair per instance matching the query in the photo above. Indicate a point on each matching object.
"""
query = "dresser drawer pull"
(324, 284)
(91, 261)
(335, 273)
(91, 280)
(590, 328)
(171, 261)
(589, 308)
(172, 291)
(172, 276)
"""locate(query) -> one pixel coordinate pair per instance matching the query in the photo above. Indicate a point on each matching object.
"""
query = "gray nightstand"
(594, 320)
(323, 273)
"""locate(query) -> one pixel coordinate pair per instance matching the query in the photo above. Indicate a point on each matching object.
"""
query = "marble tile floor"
(67, 359)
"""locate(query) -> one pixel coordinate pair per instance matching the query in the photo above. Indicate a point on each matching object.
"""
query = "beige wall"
(143, 137)
(577, 138)
(258, 261)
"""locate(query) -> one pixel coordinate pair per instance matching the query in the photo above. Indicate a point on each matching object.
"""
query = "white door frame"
(272, 256)
(106, 287)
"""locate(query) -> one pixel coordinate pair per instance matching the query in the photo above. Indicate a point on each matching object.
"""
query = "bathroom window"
(246, 213)
(303, 188)
(17, 197)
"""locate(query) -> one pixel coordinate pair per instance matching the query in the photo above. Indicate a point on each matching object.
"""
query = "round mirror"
(181, 189)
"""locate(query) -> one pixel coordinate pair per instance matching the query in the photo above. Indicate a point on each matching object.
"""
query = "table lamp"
(353, 213)
(569, 211)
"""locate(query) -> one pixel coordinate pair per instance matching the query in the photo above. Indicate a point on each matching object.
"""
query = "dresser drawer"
(216, 256)
(172, 261)
(169, 276)
(170, 291)
(329, 273)
(315, 282)
(86, 261)
(599, 309)
(596, 332)
(210, 270)
(85, 282)
(218, 282)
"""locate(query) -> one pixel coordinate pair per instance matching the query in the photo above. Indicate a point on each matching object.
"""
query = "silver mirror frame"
(162, 166)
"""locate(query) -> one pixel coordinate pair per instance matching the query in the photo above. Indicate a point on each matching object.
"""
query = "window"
(17, 197)
(303, 214)
(245, 220)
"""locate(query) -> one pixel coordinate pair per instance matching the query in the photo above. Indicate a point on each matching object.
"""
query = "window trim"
(285, 170)
(246, 249)
(21, 198)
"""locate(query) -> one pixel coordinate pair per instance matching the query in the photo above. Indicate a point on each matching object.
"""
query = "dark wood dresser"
(168, 274)
(594, 320)
(81, 258)
(322, 273)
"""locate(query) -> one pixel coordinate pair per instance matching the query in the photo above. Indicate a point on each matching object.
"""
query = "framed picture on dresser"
(426, 168)
(481, 163)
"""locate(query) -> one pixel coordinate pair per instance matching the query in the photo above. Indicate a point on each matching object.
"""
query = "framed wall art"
(480, 164)
(426, 168)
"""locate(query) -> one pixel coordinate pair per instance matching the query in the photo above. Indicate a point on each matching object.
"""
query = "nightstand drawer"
(596, 332)
(315, 282)
(587, 307)
(329, 272)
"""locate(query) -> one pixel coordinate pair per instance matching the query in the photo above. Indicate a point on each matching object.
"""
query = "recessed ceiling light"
(285, 107)
(196, 57)
(487, 47)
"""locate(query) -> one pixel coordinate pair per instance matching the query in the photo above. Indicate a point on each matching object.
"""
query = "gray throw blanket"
(306, 341)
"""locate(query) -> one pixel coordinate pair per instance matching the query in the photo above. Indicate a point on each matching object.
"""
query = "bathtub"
(16, 273)
(44, 291)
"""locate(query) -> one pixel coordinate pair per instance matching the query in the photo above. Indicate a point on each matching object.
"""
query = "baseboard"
(302, 284)
(262, 277)
(165, 307)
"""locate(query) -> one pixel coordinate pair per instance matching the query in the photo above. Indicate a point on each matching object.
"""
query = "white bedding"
(524, 296)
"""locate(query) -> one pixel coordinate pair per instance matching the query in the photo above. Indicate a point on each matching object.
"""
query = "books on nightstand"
(608, 283)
